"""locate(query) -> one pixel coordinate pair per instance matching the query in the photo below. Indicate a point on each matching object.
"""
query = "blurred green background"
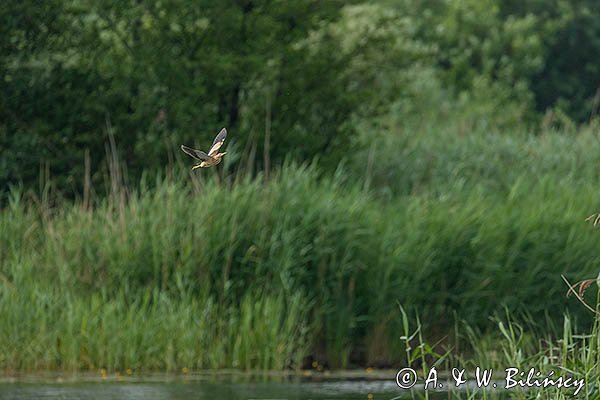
(441, 155)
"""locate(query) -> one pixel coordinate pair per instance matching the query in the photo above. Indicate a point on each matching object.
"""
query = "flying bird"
(213, 157)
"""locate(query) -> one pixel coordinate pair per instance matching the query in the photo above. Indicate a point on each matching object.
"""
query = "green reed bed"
(48, 329)
(430, 155)
(569, 358)
(261, 275)
(564, 351)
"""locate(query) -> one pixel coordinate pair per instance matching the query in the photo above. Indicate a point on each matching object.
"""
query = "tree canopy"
(155, 74)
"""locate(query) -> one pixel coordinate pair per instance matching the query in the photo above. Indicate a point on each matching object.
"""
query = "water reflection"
(201, 390)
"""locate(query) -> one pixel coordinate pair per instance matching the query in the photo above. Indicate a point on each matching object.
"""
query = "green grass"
(434, 154)
(51, 328)
(330, 259)
(209, 273)
(514, 343)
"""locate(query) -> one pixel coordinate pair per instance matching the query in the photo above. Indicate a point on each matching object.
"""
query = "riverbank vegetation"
(205, 270)
(384, 160)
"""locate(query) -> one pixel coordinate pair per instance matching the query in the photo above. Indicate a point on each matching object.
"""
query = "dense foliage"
(303, 75)
(455, 146)
(263, 275)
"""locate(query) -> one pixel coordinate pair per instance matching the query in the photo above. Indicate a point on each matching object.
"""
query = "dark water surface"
(176, 390)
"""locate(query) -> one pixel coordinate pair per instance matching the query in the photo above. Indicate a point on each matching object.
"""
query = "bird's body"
(213, 157)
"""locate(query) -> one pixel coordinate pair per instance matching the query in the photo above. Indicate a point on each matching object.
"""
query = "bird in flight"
(213, 157)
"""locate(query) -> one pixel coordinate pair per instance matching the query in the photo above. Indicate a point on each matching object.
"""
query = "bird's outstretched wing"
(197, 154)
(218, 142)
